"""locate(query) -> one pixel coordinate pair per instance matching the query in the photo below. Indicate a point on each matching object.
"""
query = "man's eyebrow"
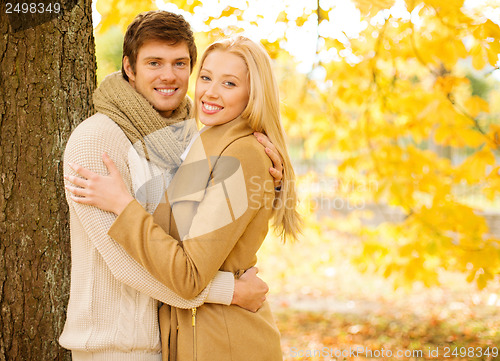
(153, 58)
(160, 58)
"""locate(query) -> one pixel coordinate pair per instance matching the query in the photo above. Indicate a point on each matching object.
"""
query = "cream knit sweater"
(113, 309)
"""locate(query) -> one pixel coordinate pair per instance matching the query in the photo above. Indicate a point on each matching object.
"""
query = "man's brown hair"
(157, 25)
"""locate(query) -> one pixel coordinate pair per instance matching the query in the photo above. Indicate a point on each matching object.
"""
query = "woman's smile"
(211, 108)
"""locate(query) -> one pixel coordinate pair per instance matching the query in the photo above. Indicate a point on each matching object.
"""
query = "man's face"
(161, 74)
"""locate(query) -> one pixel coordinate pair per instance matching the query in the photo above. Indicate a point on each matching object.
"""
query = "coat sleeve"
(85, 147)
(235, 195)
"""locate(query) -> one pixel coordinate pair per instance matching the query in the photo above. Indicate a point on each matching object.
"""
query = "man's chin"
(166, 111)
(167, 107)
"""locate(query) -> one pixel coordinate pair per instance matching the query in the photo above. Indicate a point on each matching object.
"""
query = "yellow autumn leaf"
(478, 57)
(492, 188)
(483, 279)
(487, 29)
(470, 137)
(282, 17)
(494, 134)
(229, 10)
(301, 20)
(121, 12)
(186, 5)
(450, 51)
(446, 7)
(446, 84)
(474, 168)
(372, 7)
(476, 105)
(323, 15)
(493, 52)
(273, 49)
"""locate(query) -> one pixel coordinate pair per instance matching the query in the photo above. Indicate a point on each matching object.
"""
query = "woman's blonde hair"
(263, 115)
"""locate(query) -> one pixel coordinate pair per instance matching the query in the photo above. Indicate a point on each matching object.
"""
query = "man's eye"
(181, 64)
(153, 63)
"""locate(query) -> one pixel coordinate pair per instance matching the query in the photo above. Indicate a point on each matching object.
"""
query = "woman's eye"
(230, 83)
(204, 77)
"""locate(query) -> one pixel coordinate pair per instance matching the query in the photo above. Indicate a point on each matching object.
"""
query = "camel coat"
(221, 202)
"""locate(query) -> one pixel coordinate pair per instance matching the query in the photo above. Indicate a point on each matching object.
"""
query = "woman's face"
(222, 88)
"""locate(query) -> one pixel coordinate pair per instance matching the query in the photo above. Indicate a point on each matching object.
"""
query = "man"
(144, 122)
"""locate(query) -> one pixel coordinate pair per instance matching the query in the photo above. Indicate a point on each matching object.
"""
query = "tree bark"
(47, 76)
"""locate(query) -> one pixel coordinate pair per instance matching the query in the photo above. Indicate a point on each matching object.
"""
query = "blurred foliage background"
(392, 113)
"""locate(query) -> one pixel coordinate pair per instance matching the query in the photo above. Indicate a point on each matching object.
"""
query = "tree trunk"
(47, 76)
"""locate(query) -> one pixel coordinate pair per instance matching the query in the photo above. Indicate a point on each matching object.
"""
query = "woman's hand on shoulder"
(108, 193)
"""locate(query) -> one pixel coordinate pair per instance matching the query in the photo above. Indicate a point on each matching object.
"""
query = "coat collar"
(217, 138)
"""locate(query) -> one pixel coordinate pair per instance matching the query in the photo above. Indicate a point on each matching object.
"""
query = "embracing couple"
(166, 219)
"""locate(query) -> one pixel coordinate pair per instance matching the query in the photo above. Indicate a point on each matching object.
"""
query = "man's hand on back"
(250, 291)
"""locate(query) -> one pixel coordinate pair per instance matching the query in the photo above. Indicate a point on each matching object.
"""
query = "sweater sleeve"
(234, 197)
(85, 147)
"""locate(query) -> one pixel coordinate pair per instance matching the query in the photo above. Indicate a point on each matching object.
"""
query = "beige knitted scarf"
(158, 139)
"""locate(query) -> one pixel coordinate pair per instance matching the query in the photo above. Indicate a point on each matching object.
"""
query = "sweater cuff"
(221, 289)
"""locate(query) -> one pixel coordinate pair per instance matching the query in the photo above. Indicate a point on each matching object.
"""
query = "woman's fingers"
(81, 200)
(80, 182)
(84, 172)
(110, 165)
(80, 192)
(107, 192)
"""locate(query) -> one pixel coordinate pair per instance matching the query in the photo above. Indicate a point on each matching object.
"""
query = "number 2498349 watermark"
(431, 353)
(32, 8)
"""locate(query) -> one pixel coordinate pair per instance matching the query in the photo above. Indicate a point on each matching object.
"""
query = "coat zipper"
(193, 314)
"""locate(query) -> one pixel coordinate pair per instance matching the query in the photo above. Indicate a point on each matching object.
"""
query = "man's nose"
(167, 74)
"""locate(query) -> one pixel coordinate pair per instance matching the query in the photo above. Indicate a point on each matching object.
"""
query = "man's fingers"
(251, 270)
(259, 136)
(277, 177)
(264, 140)
(275, 158)
(273, 154)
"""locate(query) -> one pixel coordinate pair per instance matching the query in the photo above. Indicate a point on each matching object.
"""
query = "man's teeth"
(166, 91)
(211, 107)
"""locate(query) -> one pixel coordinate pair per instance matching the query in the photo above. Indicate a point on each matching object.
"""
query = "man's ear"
(128, 69)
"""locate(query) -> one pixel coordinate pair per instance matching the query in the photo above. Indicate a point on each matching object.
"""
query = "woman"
(222, 199)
